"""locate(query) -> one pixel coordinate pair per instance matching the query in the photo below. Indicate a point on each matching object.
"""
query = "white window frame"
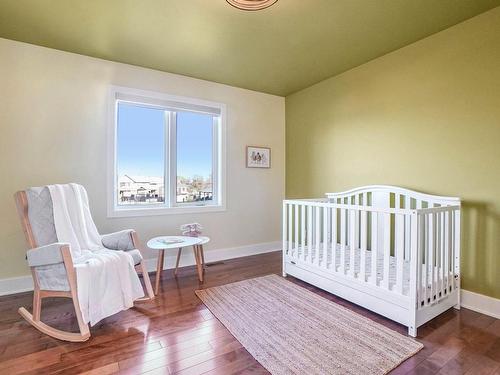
(173, 103)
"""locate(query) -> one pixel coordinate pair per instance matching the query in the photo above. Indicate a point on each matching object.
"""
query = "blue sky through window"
(141, 142)
(194, 144)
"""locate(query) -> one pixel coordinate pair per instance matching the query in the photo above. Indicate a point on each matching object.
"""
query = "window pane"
(194, 157)
(140, 155)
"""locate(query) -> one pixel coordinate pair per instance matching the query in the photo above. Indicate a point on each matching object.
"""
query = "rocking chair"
(51, 263)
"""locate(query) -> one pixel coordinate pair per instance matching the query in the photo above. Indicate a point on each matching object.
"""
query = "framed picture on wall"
(258, 157)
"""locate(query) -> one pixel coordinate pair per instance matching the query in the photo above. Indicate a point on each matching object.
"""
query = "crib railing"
(411, 252)
(438, 255)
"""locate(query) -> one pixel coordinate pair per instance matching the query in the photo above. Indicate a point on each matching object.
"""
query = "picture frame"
(258, 157)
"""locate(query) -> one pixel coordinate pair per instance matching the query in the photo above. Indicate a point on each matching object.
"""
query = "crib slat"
(452, 260)
(399, 251)
(334, 239)
(439, 248)
(290, 229)
(407, 229)
(417, 243)
(437, 240)
(313, 236)
(442, 285)
(363, 241)
(374, 248)
(446, 251)
(317, 224)
(453, 249)
(342, 239)
(324, 262)
(302, 231)
(446, 256)
(425, 259)
(437, 252)
(296, 229)
(284, 229)
(435, 258)
(352, 242)
(387, 249)
(356, 222)
(430, 252)
(308, 254)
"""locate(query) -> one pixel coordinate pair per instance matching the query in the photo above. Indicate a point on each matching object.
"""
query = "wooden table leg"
(197, 258)
(159, 268)
(178, 260)
(202, 256)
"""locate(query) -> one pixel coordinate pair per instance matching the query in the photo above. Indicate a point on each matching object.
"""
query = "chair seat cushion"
(54, 276)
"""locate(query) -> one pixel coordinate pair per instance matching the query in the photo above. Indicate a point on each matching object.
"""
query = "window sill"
(157, 211)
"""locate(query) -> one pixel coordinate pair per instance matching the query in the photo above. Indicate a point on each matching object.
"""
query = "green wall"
(426, 117)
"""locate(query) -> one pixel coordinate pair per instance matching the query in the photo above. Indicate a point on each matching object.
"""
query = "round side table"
(174, 242)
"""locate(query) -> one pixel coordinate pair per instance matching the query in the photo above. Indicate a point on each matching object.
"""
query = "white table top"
(173, 242)
(203, 240)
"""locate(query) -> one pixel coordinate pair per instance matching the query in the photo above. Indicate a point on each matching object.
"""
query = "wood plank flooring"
(176, 334)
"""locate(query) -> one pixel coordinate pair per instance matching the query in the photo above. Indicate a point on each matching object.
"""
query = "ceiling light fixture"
(251, 4)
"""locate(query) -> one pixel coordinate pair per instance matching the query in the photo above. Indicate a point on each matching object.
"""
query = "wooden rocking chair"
(51, 263)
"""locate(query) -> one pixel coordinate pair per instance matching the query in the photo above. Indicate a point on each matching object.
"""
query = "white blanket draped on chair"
(106, 280)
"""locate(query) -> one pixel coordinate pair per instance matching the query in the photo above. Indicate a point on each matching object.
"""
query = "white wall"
(53, 130)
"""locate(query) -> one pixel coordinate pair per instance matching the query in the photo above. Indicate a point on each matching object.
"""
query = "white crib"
(391, 250)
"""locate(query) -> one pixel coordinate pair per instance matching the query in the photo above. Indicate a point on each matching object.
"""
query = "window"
(166, 154)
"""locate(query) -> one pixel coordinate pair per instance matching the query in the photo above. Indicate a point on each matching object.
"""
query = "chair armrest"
(121, 240)
(45, 255)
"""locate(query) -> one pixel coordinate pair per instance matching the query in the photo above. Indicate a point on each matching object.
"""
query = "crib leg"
(412, 331)
(457, 306)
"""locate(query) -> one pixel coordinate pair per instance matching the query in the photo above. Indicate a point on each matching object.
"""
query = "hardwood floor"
(176, 334)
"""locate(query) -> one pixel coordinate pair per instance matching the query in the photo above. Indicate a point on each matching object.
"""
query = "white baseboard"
(480, 303)
(16, 285)
(25, 283)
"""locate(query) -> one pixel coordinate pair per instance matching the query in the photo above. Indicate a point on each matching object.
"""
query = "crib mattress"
(368, 264)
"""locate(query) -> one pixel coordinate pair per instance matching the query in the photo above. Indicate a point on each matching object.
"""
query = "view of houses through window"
(146, 138)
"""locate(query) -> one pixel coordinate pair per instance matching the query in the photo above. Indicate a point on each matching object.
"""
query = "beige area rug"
(291, 330)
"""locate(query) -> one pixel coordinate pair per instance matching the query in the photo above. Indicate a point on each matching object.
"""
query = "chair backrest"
(37, 217)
